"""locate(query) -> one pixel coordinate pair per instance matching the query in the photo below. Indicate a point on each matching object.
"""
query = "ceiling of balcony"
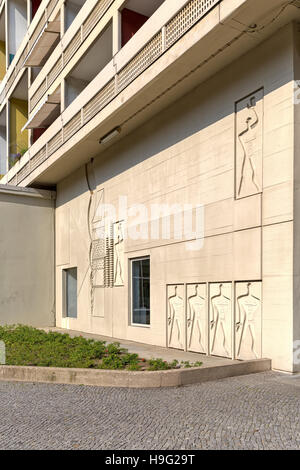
(21, 90)
(88, 67)
(144, 7)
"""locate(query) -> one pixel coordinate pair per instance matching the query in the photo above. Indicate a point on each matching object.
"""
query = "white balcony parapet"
(115, 77)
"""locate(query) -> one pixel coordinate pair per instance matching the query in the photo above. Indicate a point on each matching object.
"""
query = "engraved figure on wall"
(176, 319)
(220, 311)
(196, 319)
(249, 117)
(248, 306)
(247, 139)
(119, 254)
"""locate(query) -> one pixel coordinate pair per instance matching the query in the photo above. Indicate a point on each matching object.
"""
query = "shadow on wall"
(203, 107)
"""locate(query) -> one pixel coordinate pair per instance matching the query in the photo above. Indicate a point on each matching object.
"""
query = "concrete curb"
(128, 379)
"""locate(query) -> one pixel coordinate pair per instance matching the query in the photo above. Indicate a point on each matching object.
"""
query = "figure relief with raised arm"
(248, 138)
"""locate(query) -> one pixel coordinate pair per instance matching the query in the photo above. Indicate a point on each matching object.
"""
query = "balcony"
(180, 46)
(86, 112)
(44, 44)
(16, 26)
(16, 68)
(88, 68)
(94, 16)
(46, 113)
(75, 38)
(17, 117)
(134, 14)
(72, 8)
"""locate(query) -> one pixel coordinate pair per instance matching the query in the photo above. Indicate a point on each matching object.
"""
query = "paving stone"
(259, 411)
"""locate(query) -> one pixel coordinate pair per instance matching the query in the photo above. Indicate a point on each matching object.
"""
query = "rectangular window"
(140, 291)
(70, 291)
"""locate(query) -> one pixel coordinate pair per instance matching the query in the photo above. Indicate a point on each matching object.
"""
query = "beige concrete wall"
(187, 154)
(27, 257)
(296, 228)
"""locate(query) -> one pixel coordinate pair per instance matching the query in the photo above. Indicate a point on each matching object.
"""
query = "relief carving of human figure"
(247, 138)
(248, 305)
(175, 317)
(118, 251)
(197, 305)
(220, 311)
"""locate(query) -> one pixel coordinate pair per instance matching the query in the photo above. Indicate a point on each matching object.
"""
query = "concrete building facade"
(168, 130)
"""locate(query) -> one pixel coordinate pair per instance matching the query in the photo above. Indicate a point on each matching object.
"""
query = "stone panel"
(220, 319)
(176, 316)
(197, 317)
(248, 319)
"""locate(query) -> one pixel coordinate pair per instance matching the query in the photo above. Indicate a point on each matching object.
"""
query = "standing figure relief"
(248, 306)
(118, 254)
(176, 318)
(220, 309)
(247, 138)
(195, 318)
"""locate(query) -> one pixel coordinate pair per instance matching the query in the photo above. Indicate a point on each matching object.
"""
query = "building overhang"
(43, 115)
(217, 40)
(44, 43)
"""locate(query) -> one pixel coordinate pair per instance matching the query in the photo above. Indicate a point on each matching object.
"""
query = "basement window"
(70, 292)
(140, 291)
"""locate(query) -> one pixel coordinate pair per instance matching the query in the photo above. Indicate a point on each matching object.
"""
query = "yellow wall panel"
(18, 118)
(2, 60)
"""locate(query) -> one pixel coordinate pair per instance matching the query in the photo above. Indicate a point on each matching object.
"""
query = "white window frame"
(139, 325)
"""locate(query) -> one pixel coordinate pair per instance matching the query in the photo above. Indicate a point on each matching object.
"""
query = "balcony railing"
(24, 51)
(173, 30)
(70, 49)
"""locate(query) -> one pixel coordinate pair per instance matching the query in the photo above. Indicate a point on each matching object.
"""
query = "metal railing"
(160, 42)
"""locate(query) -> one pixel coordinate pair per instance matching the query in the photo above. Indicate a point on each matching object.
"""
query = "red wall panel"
(131, 23)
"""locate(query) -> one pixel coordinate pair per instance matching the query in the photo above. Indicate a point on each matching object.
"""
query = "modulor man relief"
(248, 320)
(197, 318)
(249, 145)
(119, 254)
(176, 317)
(97, 205)
(220, 319)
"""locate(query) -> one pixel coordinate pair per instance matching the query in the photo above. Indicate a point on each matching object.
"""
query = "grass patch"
(27, 346)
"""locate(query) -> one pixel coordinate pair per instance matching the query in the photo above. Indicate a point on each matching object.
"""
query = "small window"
(140, 291)
(70, 291)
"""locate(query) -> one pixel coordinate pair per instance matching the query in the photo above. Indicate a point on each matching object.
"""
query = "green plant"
(27, 346)
(159, 364)
(188, 364)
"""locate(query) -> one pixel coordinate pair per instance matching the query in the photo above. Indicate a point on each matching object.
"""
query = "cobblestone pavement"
(258, 411)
